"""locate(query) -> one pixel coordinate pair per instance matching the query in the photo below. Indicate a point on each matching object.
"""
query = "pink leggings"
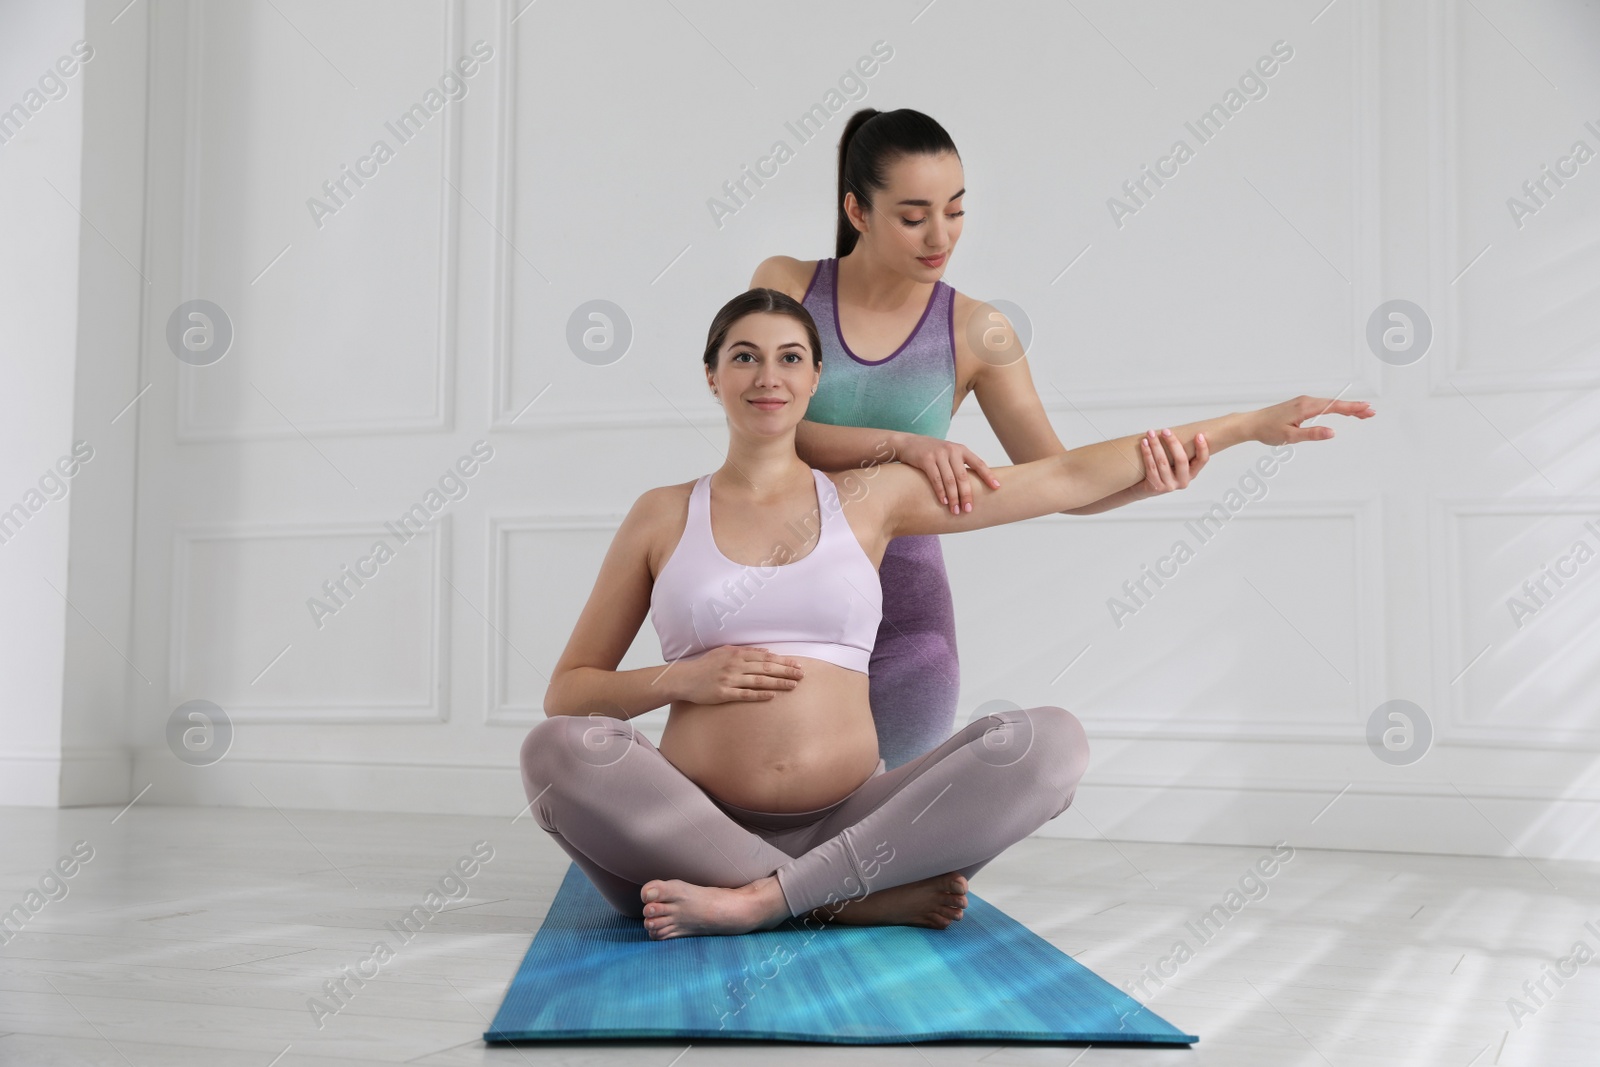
(626, 815)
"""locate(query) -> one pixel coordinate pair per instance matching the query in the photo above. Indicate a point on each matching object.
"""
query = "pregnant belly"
(804, 749)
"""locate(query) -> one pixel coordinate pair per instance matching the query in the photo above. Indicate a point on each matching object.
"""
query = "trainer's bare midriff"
(804, 749)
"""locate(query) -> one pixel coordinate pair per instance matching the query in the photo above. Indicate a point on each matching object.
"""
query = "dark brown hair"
(760, 301)
(871, 141)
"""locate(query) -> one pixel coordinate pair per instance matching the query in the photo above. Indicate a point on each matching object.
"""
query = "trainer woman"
(767, 797)
(903, 349)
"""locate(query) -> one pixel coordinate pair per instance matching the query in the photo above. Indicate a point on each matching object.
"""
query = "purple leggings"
(626, 815)
(914, 678)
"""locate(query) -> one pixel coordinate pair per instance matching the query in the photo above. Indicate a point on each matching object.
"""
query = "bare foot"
(674, 908)
(935, 902)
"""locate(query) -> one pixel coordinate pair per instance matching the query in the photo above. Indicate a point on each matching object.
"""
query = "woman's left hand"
(1281, 423)
(1167, 465)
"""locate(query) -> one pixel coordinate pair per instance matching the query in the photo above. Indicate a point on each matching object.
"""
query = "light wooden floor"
(195, 937)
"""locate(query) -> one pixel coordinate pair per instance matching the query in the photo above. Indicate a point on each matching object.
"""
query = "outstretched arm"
(1083, 475)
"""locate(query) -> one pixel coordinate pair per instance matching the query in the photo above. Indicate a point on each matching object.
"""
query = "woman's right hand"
(1167, 465)
(945, 463)
(730, 673)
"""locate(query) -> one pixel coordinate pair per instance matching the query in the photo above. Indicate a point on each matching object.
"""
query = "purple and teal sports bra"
(826, 605)
(910, 390)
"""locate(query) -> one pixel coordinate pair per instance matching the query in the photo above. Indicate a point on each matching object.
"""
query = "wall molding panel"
(431, 704)
(193, 430)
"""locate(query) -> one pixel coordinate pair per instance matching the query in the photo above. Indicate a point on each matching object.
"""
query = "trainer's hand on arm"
(1167, 465)
(945, 463)
(732, 673)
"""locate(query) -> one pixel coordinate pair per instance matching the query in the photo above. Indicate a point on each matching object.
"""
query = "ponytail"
(872, 140)
(846, 237)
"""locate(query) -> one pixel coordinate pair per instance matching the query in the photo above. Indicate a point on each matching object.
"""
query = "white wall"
(70, 300)
(374, 345)
(38, 303)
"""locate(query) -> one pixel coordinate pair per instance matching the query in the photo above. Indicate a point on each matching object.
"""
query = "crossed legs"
(637, 826)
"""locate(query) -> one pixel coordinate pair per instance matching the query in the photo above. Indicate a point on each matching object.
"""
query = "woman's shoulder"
(977, 323)
(788, 275)
(657, 520)
(664, 502)
(963, 305)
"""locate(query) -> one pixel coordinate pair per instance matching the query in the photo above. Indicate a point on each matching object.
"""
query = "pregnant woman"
(903, 350)
(767, 798)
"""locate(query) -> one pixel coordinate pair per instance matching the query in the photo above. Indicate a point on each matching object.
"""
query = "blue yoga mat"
(592, 973)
